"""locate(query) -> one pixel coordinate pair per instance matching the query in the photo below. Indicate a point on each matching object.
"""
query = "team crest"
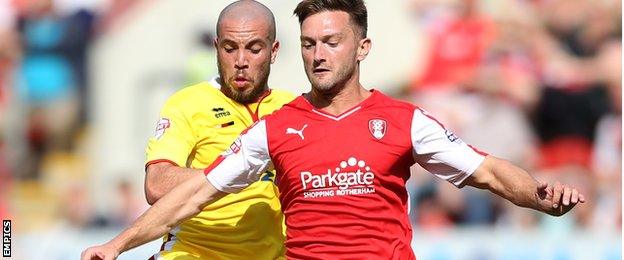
(377, 128)
(162, 125)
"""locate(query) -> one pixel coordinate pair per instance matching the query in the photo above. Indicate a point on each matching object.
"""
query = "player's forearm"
(508, 181)
(181, 203)
(161, 178)
(517, 185)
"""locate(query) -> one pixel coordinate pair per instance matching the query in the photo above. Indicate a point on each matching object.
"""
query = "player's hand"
(558, 199)
(103, 252)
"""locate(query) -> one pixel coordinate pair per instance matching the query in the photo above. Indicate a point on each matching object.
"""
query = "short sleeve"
(440, 151)
(243, 163)
(173, 138)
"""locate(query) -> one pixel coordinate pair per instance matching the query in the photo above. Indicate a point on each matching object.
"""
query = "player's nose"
(241, 61)
(319, 53)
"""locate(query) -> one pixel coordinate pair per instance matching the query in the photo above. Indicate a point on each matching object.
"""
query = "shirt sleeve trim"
(215, 183)
(160, 161)
(213, 165)
(470, 171)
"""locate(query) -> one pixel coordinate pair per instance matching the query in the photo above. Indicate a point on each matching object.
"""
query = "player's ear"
(364, 47)
(274, 48)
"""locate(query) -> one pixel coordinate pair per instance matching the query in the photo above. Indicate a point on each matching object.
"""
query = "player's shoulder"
(279, 97)
(192, 96)
(192, 92)
(289, 111)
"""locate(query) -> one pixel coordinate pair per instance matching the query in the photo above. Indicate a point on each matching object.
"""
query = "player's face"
(244, 55)
(329, 47)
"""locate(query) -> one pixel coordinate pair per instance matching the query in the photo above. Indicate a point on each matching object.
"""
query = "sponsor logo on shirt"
(220, 112)
(350, 177)
(297, 132)
(377, 128)
(161, 126)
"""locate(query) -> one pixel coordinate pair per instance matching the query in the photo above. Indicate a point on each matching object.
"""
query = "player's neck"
(338, 102)
(265, 92)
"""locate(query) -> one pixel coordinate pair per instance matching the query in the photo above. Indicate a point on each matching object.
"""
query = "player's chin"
(323, 85)
(247, 91)
(244, 95)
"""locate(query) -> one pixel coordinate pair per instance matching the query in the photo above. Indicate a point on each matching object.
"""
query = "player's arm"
(162, 177)
(241, 165)
(183, 202)
(516, 185)
(168, 150)
(442, 153)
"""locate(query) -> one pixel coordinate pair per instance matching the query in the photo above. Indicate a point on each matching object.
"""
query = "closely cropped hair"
(355, 8)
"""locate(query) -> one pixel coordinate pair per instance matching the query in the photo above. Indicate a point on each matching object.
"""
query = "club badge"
(377, 128)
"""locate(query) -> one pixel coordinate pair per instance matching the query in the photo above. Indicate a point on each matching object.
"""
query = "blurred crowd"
(537, 82)
(44, 110)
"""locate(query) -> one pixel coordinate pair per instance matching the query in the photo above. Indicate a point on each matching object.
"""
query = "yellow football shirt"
(197, 124)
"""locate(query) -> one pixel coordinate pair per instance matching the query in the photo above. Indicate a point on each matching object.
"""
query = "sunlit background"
(537, 82)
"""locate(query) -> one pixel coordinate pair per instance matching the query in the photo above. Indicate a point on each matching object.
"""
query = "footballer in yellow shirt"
(201, 121)
(197, 124)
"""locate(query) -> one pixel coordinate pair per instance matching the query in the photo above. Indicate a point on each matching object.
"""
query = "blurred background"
(537, 82)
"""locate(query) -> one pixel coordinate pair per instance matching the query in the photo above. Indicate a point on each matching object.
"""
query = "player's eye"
(229, 48)
(306, 45)
(256, 51)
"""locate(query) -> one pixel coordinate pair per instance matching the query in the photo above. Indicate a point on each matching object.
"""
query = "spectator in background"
(607, 149)
(130, 205)
(459, 35)
(540, 61)
(9, 53)
(77, 213)
(573, 99)
(51, 79)
(478, 85)
(5, 183)
(76, 210)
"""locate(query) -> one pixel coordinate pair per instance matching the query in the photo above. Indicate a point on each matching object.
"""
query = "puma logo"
(295, 131)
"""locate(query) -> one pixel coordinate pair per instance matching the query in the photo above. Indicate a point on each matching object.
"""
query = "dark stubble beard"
(247, 96)
(339, 80)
